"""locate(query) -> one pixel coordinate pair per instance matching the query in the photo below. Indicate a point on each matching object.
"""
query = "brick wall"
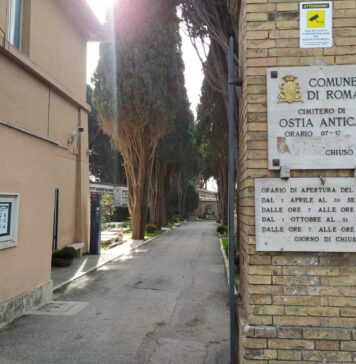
(296, 307)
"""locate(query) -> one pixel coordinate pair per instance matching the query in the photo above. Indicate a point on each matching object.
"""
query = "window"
(8, 220)
(15, 23)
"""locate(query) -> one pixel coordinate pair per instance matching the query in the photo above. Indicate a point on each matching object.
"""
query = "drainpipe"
(232, 83)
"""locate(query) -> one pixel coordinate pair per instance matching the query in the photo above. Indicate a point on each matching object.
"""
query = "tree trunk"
(157, 194)
(166, 196)
(182, 187)
(138, 163)
(222, 194)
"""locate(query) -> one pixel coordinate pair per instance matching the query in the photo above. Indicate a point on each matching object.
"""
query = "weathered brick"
(265, 332)
(342, 301)
(260, 299)
(327, 345)
(295, 280)
(262, 62)
(283, 34)
(289, 355)
(265, 270)
(348, 345)
(312, 311)
(268, 310)
(253, 343)
(287, 6)
(287, 24)
(291, 344)
(343, 322)
(296, 300)
(256, 17)
(265, 289)
(346, 4)
(348, 312)
(259, 259)
(336, 356)
(340, 41)
(256, 53)
(260, 354)
(261, 25)
(260, 320)
(289, 333)
(296, 260)
(296, 321)
(257, 34)
(326, 334)
(346, 59)
(261, 43)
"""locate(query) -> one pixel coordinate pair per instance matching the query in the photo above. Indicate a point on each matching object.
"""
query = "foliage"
(104, 161)
(107, 208)
(136, 91)
(192, 199)
(151, 228)
(67, 252)
(121, 213)
(212, 135)
(210, 19)
(126, 224)
(221, 229)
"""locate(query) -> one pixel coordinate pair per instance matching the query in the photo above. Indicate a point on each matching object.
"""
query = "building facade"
(44, 188)
(208, 205)
(296, 306)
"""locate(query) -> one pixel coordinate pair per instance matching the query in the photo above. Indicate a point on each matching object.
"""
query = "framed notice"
(316, 24)
(5, 218)
(8, 220)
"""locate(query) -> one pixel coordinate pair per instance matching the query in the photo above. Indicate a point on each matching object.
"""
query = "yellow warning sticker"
(316, 19)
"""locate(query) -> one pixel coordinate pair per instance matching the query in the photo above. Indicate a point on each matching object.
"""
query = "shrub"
(221, 229)
(151, 228)
(107, 208)
(121, 213)
(126, 224)
(65, 253)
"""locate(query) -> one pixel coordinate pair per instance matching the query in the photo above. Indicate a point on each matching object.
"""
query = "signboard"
(121, 196)
(312, 117)
(306, 214)
(316, 24)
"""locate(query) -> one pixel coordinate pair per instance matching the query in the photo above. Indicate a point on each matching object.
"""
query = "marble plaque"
(312, 117)
(306, 214)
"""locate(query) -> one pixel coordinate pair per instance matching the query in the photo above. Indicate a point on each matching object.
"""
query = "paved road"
(165, 303)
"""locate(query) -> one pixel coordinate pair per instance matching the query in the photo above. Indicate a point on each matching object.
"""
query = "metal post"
(95, 223)
(231, 196)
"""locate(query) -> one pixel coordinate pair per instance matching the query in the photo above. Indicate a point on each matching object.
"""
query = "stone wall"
(296, 307)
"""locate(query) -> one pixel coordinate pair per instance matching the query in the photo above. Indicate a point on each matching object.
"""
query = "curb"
(93, 269)
(226, 264)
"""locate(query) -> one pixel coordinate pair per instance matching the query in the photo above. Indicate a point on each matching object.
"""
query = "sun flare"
(100, 7)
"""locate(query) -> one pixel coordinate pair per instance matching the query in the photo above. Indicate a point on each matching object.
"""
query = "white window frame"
(10, 240)
(15, 23)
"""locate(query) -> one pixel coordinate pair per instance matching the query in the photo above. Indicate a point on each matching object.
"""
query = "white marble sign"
(312, 117)
(306, 214)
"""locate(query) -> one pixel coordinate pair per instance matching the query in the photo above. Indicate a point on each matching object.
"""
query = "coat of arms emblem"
(289, 90)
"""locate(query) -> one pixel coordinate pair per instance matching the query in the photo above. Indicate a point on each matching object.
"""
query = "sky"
(193, 69)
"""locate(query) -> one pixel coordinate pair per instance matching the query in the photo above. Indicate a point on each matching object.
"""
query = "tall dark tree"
(213, 135)
(210, 19)
(105, 162)
(136, 89)
(176, 164)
